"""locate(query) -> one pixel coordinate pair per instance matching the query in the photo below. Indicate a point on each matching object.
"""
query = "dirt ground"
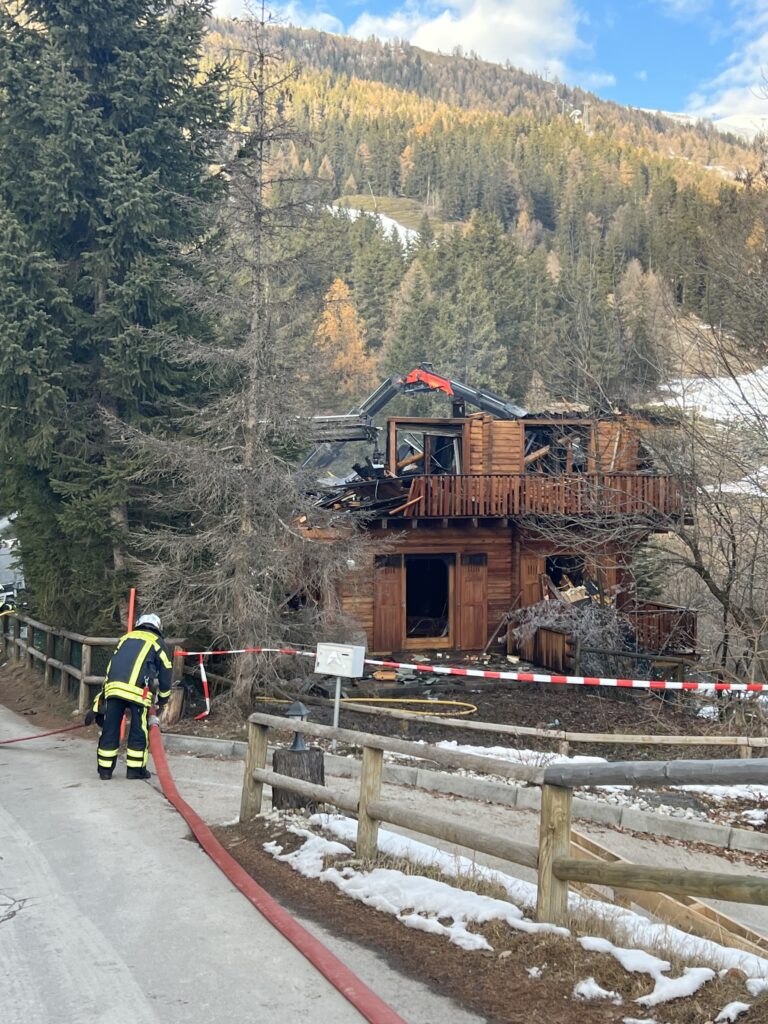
(26, 694)
(495, 985)
(537, 705)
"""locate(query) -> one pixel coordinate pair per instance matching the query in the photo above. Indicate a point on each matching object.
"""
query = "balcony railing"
(662, 628)
(503, 494)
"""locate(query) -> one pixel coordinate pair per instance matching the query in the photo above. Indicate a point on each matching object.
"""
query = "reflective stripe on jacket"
(140, 657)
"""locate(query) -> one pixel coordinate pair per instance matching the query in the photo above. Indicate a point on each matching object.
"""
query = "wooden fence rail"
(562, 739)
(552, 858)
(18, 648)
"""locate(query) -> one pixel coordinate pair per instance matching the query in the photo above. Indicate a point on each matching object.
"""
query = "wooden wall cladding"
(365, 590)
(506, 446)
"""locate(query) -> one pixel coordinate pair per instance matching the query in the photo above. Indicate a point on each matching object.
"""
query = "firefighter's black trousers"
(109, 742)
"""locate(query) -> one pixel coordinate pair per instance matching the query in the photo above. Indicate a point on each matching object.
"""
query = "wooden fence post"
(85, 670)
(554, 842)
(370, 790)
(30, 661)
(255, 757)
(16, 650)
(66, 659)
(177, 669)
(745, 749)
(50, 640)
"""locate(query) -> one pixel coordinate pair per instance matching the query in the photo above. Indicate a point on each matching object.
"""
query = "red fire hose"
(372, 1008)
(41, 735)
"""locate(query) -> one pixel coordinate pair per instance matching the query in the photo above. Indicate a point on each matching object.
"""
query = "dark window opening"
(555, 449)
(443, 454)
(566, 570)
(429, 451)
(428, 596)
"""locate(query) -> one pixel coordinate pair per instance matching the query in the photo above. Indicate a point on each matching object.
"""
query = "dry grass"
(571, 963)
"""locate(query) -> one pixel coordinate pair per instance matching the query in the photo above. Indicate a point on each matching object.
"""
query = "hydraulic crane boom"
(418, 381)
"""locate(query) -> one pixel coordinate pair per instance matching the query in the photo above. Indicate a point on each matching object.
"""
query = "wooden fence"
(552, 856)
(72, 662)
(562, 739)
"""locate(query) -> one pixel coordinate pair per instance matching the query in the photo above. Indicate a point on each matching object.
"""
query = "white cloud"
(741, 87)
(291, 13)
(531, 34)
(641, 76)
(684, 8)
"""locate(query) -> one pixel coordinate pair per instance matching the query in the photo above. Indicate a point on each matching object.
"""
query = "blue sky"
(707, 57)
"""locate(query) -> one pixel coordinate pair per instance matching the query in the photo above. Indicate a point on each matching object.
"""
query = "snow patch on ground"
(739, 398)
(535, 758)
(665, 989)
(406, 235)
(625, 795)
(442, 906)
(632, 960)
(731, 1012)
(589, 989)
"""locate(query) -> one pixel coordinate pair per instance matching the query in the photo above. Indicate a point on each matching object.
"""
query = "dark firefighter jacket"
(140, 657)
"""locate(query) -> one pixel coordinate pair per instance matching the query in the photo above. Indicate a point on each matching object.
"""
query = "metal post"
(336, 704)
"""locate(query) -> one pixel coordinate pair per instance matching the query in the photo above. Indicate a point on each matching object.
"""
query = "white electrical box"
(346, 660)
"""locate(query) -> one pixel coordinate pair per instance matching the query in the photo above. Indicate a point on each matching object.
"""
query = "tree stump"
(174, 709)
(298, 764)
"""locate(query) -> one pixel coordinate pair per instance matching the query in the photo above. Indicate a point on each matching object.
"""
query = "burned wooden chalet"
(481, 513)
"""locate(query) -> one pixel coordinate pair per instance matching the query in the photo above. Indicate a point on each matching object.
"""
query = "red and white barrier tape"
(206, 692)
(520, 677)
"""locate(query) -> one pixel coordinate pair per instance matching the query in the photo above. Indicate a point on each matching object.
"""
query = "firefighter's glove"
(90, 717)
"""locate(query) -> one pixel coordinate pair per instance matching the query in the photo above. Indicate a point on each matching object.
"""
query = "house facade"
(473, 517)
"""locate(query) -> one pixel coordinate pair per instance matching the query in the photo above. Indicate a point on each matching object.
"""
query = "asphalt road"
(109, 913)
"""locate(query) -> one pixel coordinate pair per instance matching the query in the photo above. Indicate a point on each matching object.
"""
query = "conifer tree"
(106, 133)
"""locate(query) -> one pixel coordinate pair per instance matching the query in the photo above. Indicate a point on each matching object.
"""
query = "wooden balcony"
(489, 495)
(662, 628)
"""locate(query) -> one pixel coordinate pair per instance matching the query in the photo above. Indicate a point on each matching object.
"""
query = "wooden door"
(388, 603)
(473, 602)
(532, 567)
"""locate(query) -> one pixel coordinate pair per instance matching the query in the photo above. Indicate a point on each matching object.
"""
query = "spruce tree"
(106, 134)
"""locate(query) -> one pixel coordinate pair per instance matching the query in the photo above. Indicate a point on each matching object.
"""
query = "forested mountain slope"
(571, 244)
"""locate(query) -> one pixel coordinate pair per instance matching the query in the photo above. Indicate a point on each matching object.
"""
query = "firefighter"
(140, 658)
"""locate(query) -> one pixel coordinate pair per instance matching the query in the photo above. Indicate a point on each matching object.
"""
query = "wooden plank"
(472, 602)
(450, 831)
(426, 751)
(85, 670)
(309, 790)
(714, 885)
(681, 911)
(389, 606)
(255, 758)
(370, 790)
(722, 772)
(554, 847)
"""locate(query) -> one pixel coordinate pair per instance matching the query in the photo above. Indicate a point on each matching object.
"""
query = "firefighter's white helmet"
(150, 620)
